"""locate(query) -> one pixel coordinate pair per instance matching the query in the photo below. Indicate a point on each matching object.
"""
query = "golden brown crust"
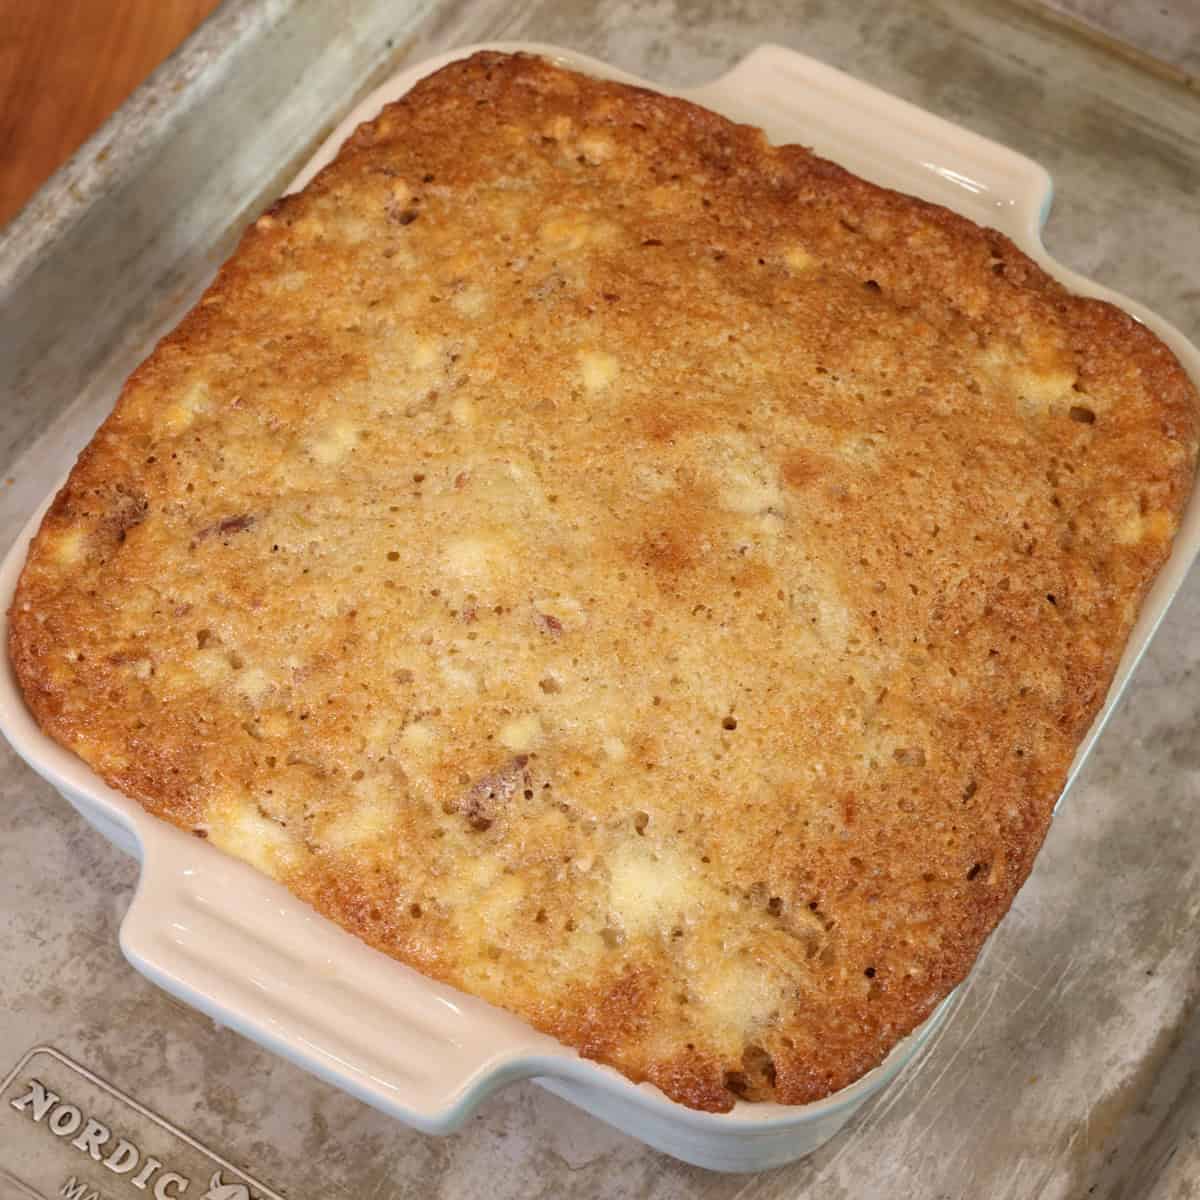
(651, 579)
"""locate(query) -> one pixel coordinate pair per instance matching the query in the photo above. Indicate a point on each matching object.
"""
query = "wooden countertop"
(65, 65)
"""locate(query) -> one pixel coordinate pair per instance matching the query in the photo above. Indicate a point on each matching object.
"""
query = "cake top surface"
(651, 579)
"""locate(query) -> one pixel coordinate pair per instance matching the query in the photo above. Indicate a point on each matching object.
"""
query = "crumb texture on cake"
(648, 578)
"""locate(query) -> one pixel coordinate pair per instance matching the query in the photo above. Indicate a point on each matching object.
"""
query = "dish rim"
(1020, 213)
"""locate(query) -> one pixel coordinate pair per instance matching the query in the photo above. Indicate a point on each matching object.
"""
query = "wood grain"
(65, 66)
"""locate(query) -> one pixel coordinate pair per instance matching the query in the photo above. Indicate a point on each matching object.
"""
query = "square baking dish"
(234, 944)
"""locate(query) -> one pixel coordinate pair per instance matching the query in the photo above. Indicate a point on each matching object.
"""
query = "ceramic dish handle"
(790, 95)
(236, 945)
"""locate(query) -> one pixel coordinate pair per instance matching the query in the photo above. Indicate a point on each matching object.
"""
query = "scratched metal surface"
(1070, 1066)
(1168, 31)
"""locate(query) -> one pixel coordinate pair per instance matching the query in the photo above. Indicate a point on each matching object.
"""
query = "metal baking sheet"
(1070, 1067)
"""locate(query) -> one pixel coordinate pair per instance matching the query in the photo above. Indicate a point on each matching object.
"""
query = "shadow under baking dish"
(236, 945)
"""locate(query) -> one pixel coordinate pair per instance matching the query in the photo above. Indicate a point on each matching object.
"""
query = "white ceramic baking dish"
(237, 946)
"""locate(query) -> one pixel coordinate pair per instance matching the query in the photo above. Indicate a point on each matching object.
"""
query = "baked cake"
(645, 577)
